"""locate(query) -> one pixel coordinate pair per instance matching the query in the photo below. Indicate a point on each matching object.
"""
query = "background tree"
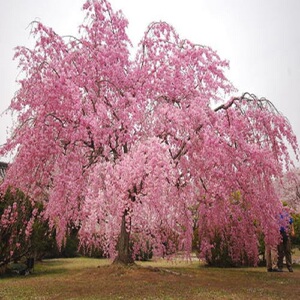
(138, 149)
(296, 239)
(289, 188)
(19, 227)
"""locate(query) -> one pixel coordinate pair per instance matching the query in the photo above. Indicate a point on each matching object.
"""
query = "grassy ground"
(84, 278)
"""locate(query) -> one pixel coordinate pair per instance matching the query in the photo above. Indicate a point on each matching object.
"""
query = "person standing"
(271, 256)
(285, 247)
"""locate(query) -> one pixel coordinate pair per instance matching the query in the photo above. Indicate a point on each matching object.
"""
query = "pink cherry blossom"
(137, 148)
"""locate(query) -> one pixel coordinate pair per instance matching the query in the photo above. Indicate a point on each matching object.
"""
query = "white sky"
(260, 38)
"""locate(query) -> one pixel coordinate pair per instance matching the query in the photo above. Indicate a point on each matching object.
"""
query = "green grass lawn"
(84, 278)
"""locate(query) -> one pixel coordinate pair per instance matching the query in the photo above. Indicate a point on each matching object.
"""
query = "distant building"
(3, 167)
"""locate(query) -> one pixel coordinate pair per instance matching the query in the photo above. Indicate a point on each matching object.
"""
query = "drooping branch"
(250, 98)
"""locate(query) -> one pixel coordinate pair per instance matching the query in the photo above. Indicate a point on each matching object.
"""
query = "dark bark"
(124, 249)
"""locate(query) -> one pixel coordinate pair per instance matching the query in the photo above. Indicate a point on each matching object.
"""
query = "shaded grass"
(84, 278)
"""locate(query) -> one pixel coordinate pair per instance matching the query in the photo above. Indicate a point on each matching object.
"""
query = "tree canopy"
(144, 150)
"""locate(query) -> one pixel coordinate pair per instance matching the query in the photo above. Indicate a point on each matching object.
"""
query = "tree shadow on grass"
(51, 267)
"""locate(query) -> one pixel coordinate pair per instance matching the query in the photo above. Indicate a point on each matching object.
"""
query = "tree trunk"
(3, 268)
(124, 256)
